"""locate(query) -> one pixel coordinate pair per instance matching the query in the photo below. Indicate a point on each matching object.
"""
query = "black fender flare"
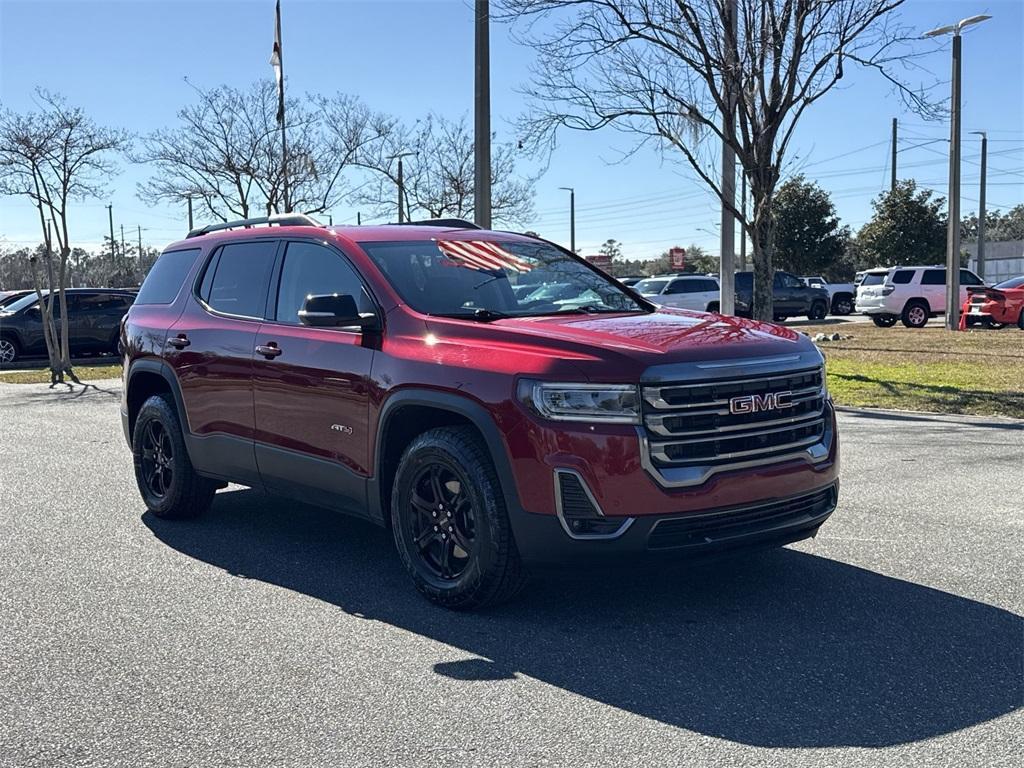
(163, 369)
(461, 405)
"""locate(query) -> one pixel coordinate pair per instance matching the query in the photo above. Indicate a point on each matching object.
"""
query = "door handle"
(178, 342)
(270, 350)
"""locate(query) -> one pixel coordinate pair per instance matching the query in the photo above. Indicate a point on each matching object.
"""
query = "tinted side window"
(933, 277)
(101, 302)
(164, 280)
(681, 286)
(313, 269)
(969, 278)
(789, 281)
(744, 281)
(239, 285)
(902, 276)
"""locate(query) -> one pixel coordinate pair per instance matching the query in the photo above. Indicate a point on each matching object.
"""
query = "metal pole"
(482, 123)
(359, 219)
(953, 224)
(124, 252)
(113, 255)
(981, 207)
(280, 111)
(401, 185)
(727, 277)
(190, 213)
(743, 211)
(892, 182)
(572, 220)
(140, 245)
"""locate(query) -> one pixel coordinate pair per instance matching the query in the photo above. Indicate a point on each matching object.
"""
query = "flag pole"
(277, 61)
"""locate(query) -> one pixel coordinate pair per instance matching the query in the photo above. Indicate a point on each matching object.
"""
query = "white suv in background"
(699, 292)
(910, 294)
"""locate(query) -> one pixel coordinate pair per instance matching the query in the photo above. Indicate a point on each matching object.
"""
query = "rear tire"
(713, 306)
(10, 350)
(818, 311)
(450, 524)
(1020, 319)
(842, 304)
(169, 485)
(915, 314)
(884, 321)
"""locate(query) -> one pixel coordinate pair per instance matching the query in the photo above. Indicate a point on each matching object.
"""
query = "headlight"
(604, 403)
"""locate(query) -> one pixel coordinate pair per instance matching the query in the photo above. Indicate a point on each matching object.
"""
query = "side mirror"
(334, 310)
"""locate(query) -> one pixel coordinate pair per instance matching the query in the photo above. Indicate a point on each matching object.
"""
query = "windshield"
(27, 300)
(1013, 282)
(486, 280)
(650, 286)
(874, 278)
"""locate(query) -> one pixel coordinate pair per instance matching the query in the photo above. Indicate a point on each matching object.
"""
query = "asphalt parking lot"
(273, 634)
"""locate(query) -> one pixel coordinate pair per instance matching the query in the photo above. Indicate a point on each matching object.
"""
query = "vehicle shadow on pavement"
(781, 649)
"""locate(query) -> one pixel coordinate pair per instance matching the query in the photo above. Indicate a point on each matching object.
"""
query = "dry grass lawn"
(977, 372)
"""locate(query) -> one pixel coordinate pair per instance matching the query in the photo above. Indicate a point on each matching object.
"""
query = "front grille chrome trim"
(656, 421)
(658, 449)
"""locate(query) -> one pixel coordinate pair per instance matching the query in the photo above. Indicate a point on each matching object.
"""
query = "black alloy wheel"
(157, 461)
(442, 523)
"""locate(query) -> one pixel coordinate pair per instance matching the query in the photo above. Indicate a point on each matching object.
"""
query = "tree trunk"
(53, 348)
(764, 271)
(65, 342)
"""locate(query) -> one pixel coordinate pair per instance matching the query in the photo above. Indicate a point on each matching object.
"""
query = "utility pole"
(727, 272)
(892, 182)
(953, 221)
(980, 260)
(330, 220)
(113, 255)
(277, 62)
(359, 218)
(401, 192)
(743, 212)
(124, 253)
(482, 122)
(190, 213)
(572, 217)
(140, 245)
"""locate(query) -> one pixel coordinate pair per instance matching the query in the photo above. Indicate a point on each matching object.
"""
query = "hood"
(622, 347)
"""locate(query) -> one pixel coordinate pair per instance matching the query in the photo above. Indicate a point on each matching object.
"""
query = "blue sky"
(125, 63)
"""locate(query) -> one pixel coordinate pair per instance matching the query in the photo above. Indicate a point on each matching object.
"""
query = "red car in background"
(994, 307)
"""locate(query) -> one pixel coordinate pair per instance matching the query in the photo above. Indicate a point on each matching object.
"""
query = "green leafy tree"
(998, 226)
(809, 239)
(700, 261)
(908, 227)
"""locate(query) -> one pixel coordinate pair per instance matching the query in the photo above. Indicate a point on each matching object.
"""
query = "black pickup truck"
(791, 297)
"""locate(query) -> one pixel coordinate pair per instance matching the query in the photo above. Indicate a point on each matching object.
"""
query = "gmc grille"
(691, 424)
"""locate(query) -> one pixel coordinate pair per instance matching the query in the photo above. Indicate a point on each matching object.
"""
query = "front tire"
(915, 314)
(10, 351)
(450, 524)
(169, 486)
(884, 321)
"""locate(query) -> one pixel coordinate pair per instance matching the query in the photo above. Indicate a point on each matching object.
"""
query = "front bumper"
(682, 536)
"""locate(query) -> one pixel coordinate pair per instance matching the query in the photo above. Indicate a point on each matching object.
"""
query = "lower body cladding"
(544, 539)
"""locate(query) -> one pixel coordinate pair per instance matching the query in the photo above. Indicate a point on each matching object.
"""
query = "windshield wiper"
(592, 309)
(481, 314)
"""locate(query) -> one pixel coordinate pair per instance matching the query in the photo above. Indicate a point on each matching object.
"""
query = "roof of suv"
(354, 234)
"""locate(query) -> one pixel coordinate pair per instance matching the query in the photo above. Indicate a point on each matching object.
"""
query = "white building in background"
(1003, 260)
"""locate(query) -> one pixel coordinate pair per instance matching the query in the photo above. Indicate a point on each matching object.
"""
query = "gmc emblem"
(773, 401)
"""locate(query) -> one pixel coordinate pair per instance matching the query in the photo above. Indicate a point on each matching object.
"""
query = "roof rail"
(450, 223)
(278, 219)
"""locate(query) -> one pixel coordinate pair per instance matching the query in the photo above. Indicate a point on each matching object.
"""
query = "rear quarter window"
(902, 276)
(165, 279)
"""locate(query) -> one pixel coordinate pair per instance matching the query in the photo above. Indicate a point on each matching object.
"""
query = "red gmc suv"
(491, 398)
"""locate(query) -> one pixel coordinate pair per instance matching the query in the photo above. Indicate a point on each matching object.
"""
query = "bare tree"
(667, 71)
(226, 152)
(438, 174)
(54, 157)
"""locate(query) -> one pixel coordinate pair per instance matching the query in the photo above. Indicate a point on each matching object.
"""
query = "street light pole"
(727, 270)
(980, 260)
(572, 217)
(953, 222)
(401, 185)
(482, 122)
